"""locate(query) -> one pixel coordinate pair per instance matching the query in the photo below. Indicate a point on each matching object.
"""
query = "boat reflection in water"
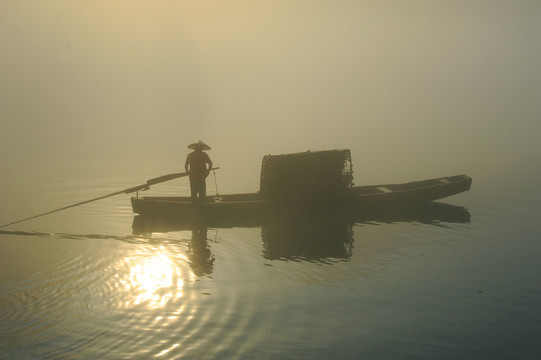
(294, 235)
(311, 238)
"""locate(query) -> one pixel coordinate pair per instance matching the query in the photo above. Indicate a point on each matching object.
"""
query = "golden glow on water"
(153, 279)
(167, 350)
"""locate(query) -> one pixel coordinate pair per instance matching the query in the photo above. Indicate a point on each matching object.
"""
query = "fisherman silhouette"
(196, 166)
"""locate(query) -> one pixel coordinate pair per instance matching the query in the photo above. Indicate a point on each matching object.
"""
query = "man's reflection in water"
(201, 259)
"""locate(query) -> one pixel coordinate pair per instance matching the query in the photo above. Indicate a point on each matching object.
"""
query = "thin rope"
(217, 197)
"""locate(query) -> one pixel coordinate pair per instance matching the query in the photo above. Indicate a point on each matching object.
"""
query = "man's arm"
(210, 164)
(187, 163)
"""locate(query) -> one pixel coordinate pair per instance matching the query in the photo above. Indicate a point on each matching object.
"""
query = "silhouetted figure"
(196, 166)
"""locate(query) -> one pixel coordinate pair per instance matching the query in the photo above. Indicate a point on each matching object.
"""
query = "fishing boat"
(299, 183)
(308, 183)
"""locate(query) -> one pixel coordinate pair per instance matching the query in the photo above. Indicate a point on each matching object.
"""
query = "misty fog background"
(415, 89)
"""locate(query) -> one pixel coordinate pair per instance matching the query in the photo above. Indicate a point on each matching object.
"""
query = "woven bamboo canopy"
(306, 174)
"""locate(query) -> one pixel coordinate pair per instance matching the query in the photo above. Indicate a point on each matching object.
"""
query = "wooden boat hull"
(248, 208)
(427, 213)
(384, 197)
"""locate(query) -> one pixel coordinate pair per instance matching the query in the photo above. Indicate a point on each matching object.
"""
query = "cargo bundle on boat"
(300, 182)
(306, 175)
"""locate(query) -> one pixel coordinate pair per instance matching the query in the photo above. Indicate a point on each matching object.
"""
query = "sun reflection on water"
(153, 279)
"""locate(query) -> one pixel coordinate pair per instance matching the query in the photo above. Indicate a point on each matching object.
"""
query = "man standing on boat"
(196, 166)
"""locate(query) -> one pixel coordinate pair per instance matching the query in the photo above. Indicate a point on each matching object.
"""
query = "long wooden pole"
(145, 186)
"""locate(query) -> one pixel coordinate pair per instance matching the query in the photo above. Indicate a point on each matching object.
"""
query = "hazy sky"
(451, 85)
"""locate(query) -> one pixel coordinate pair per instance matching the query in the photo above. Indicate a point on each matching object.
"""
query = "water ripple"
(248, 291)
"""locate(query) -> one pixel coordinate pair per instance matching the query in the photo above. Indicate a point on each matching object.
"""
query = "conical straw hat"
(199, 145)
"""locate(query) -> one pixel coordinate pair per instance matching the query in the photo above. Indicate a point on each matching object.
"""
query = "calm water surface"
(79, 284)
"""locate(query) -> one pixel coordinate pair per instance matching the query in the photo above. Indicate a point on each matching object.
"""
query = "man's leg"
(203, 191)
(193, 189)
